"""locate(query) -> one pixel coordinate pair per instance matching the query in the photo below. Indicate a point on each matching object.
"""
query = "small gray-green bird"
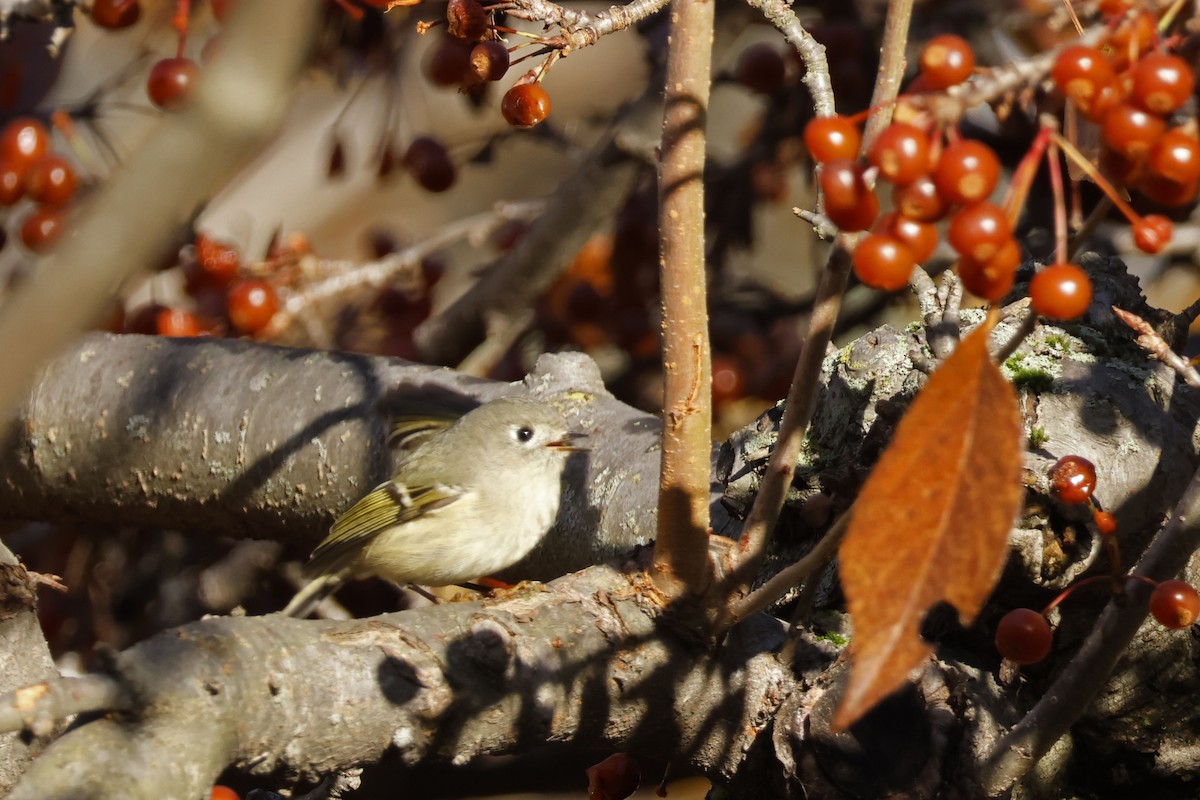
(470, 499)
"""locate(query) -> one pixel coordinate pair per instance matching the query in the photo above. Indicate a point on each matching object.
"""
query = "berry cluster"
(1023, 635)
(472, 54)
(935, 176)
(225, 297)
(1130, 96)
(30, 170)
(1127, 89)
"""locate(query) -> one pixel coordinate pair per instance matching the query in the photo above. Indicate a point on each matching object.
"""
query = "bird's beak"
(567, 442)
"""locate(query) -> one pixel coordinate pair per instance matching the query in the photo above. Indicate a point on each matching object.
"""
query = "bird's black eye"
(523, 433)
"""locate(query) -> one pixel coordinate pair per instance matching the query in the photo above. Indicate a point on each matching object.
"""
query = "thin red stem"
(1022, 180)
(1090, 170)
(180, 22)
(1067, 592)
(1060, 204)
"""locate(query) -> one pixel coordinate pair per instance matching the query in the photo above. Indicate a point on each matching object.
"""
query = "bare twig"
(1024, 329)
(681, 552)
(939, 309)
(1150, 341)
(743, 561)
(791, 575)
(36, 708)
(352, 276)
(816, 66)
(581, 28)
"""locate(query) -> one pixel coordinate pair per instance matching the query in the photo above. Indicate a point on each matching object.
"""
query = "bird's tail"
(317, 590)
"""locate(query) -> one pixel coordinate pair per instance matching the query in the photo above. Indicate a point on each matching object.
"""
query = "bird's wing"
(387, 506)
(408, 433)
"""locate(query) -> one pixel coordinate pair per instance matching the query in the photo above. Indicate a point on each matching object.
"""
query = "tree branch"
(446, 683)
(147, 431)
(682, 555)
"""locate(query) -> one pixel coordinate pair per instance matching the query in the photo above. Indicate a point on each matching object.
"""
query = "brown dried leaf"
(932, 520)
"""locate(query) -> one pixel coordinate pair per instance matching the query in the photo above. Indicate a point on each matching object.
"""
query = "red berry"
(525, 105)
(489, 60)
(1167, 192)
(1175, 604)
(177, 323)
(42, 229)
(883, 262)
(23, 141)
(1152, 233)
(920, 238)
(831, 138)
(217, 263)
(1131, 131)
(1176, 156)
(1081, 73)
(1106, 523)
(1023, 636)
(946, 60)
(115, 14)
(978, 231)
(920, 200)
(429, 162)
(849, 203)
(1133, 36)
(991, 279)
(1073, 479)
(1060, 291)
(901, 152)
(1162, 83)
(251, 304)
(760, 68)
(12, 184)
(220, 792)
(51, 181)
(966, 172)
(171, 82)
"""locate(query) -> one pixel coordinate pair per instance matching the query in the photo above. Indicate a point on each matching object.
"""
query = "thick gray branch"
(583, 661)
(239, 439)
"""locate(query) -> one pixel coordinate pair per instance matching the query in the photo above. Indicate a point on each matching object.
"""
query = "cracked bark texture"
(24, 658)
(144, 431)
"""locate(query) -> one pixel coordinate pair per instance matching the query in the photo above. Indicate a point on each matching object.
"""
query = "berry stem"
(1067, 592)
(179, 21)
(1060, 204)
(1144, 579)
(1022, 179)
(1168, 18)
(1090, 170)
